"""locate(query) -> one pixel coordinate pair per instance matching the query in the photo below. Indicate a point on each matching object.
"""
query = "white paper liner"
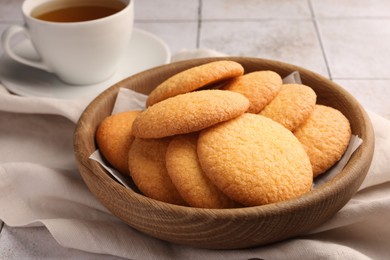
(293, 78)
(130, 100)
(354, 143)
(96, 156)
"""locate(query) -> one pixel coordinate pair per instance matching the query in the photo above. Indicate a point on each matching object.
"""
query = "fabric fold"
(68, 108)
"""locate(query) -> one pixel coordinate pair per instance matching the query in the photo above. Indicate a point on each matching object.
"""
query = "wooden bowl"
(225, 228)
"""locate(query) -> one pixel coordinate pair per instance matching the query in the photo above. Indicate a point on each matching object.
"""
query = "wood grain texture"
(225, 228)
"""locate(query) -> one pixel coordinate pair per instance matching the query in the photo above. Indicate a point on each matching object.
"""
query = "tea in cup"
(81, 41)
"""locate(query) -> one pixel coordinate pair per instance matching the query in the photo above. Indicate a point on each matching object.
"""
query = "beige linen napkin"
(40, 186)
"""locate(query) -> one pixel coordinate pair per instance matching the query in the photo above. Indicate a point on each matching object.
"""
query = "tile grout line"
(11, 22)
(314, 18)
(364, 78)
(235, 20)
(165, 21)
(199, 24)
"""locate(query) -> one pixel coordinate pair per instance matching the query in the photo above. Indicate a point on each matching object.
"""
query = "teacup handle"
(6, 39)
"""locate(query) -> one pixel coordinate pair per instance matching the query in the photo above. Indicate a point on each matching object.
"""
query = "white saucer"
(145, 51)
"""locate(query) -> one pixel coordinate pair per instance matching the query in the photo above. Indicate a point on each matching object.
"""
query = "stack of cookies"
(214, 137)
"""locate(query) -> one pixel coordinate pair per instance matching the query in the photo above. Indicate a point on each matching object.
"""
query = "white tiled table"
(347, 41)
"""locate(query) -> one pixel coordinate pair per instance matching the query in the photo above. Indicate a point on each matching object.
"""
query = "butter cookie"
(325, 137)
(195, 78)
(188, 177)
(254, 160)
(114, 139)
(188, 113)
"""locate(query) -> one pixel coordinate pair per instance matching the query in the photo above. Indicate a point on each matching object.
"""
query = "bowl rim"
(343, 179)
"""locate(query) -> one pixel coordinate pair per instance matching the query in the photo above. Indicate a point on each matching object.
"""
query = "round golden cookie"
(260, 87)
(114, 139)
(325, 137)
(188, 177)
(195, 78)
(188, 113)
(254, 160)
(148, 170)
(292, 106)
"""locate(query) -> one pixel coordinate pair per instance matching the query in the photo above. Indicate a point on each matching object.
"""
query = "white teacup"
(81, 52)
